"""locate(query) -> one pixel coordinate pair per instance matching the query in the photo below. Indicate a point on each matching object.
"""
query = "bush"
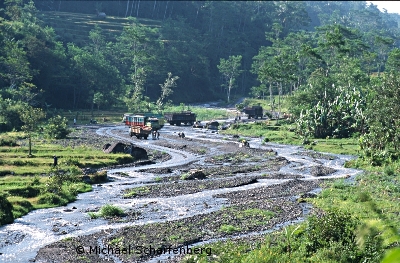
(334, 226)
(110, 211)
(21, 207)
(26, 192)
(389, 170)
(6, 215)
(99, 177)
(58, 176)
(7, 141)
(52, 199)
(57, 128)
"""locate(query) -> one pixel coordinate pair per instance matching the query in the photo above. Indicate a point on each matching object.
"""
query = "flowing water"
(21, 240)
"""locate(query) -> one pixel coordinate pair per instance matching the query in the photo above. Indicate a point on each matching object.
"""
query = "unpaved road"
(245, 192)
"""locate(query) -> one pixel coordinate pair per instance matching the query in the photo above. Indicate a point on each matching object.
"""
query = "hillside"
(75, 27)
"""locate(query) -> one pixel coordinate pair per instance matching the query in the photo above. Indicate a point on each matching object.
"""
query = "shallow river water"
(21, 240)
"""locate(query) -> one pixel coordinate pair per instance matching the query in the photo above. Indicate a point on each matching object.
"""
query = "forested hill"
(60, 54)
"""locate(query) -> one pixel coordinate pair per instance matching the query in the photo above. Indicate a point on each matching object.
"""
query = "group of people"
(155, 135)
(181, 135)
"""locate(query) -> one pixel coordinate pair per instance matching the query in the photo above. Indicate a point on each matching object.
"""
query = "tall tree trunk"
(197, 14)
(172, 9)
(133, 1)
(154, 8)
(271, 98)
(30, 144)
(137, 10)
(127, 8)
(165, 12)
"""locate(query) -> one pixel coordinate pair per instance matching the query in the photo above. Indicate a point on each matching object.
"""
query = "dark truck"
(254, 112)
(185, 117)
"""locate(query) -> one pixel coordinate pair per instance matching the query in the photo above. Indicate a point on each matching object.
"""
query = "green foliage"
(99, 177)
(229, 69)
(333, 227)
(27, 191)
(7, 141)
(30, 117)
(392, 256)
(229, 229)
(106, 211)
(59, 176)
(383, 135)
(51, 199)
(6, 215)
(57, 128)
(166, 90)
(339, 118)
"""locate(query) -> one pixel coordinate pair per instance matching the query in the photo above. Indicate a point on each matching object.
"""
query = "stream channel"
(21, 240)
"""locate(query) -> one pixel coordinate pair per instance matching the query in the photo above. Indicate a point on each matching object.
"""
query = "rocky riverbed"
(234, 192)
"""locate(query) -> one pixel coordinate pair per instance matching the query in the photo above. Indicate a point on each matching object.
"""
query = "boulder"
(119, 147)
(195, 174)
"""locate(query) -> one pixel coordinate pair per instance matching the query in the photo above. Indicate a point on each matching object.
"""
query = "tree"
(166, 89)
(383, 135)
(98, 99)
(229, 68)
(57, 128)
(30, 117)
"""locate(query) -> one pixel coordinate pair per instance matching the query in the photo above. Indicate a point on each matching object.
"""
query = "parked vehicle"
(254, 112)
(139, 125)
(177, 118)
(154, 121)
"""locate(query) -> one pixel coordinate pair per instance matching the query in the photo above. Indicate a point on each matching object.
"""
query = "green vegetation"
(107, 211)
(31, 182)
(137, 191)
(334, 66)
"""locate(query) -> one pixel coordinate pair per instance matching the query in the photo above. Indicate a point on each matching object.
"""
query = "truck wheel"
(178, 124)
(145, 137)
(137, 136)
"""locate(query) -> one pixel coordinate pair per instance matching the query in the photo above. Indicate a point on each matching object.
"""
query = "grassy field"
(33, 182)
(284, 133)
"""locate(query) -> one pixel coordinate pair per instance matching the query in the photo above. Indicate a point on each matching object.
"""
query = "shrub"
(334, 226)
(7, 141)
(26, 192)
(389, 170)
(58, 176)
(6, 215)
(57, 128)
(99, 177)
(109, 210)
(228, 229)
(21, 207)
(52, 199)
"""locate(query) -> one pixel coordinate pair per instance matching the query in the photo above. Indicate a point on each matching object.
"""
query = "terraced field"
(75, 27)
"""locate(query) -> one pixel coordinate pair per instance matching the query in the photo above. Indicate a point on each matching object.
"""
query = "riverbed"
(244, 192)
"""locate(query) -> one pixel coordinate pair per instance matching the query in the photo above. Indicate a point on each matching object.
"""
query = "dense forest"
(332, 59)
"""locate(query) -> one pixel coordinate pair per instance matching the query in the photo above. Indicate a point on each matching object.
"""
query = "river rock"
(195, 174)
